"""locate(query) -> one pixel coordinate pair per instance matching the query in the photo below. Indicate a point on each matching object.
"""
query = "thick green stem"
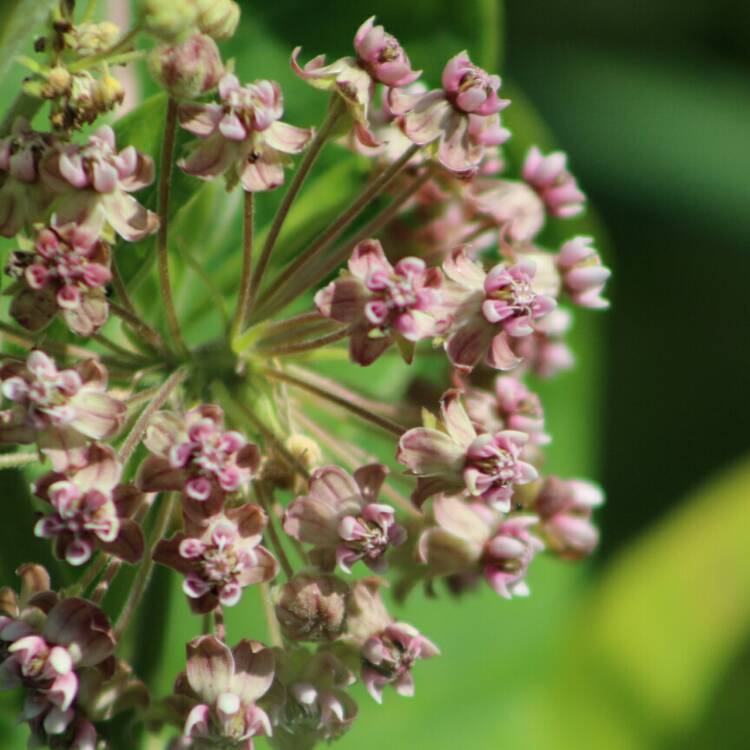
(335, 112)
(326, 239)
(243, 301)
(165, 187)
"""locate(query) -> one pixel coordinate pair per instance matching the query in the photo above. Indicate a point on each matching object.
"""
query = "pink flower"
(582, 273)
(384, 304)
(308, 702)
(380, 59)
(382, 56)
(67, 272)
(58, 408)
(455, 459)
(545, 352)
(512, 406)
(91, 510)
(243, 136)
(342, 520)
(44, 647)
(187, 69)
(458, 121)
(23, 198)
(564, 508)
(556, 186)
(223, 685)
(219, 557)
(492, 309)
(511, 206)
(389, 657)
(472, 538)
(95, 181)
(388, 649)
(195, 455)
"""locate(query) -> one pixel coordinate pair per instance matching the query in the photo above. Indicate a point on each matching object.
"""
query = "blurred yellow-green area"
(647, 646)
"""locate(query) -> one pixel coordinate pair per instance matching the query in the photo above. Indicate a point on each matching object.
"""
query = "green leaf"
(652, 642)
(19, 19)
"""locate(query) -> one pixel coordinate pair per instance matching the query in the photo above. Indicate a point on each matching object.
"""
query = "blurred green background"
(647, 645)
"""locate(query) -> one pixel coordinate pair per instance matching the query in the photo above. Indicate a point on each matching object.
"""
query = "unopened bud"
(108, 93)
(169, 20)
(188, 69)
(218, 18)
(91, 38)
(58, 82)
(312, 607)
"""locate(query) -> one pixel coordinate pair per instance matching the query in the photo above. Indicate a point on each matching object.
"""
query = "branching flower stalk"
(234, 456)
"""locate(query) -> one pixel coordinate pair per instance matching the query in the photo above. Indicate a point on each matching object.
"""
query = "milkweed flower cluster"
(232, 463)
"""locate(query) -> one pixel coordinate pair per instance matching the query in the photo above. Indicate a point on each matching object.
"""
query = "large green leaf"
(653, 641)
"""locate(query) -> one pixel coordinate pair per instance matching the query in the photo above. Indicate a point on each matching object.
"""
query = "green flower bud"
(218, 18)
(169, 20)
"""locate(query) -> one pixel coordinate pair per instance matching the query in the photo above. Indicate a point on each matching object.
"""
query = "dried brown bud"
(188, 69)
(312, 607)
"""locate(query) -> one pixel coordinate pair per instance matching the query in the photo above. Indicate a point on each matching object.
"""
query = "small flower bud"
(312, 607)
(218, 18)
(91, 38)
(108, 93)
(169, 20)
(188, 69)
(58, 83)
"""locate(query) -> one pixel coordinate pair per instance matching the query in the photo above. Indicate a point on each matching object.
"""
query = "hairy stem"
(139, 326)
(289, 291)
(274, 629)
(143, 578)
(383, 422)
(243, 301)
(266, 501)
(14, 460)
(165, 187)
(335, 112)
(301, 347)
(139, 428)
(324, 241)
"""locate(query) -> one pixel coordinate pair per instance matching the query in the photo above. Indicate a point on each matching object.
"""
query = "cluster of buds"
(242, 457)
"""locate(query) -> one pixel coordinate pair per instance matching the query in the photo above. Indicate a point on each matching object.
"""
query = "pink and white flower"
(91, 509)
(221, 686)
(59, 409)
(492, 310)
(556, 186)
(384, 303)
(379, 59)
(511, 406)
(456, 123)
(469, 537)
(341, 518)
(453, 458)
(45, 643)
(308, 702)
(219, 557)
(242, 136)
(24, 199)
(564, 508)
(583, 273)
(94, 183)
(67, 272)
(194, 454)
(388, 649)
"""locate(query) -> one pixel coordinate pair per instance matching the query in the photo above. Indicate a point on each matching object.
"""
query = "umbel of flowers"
(233, 466)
